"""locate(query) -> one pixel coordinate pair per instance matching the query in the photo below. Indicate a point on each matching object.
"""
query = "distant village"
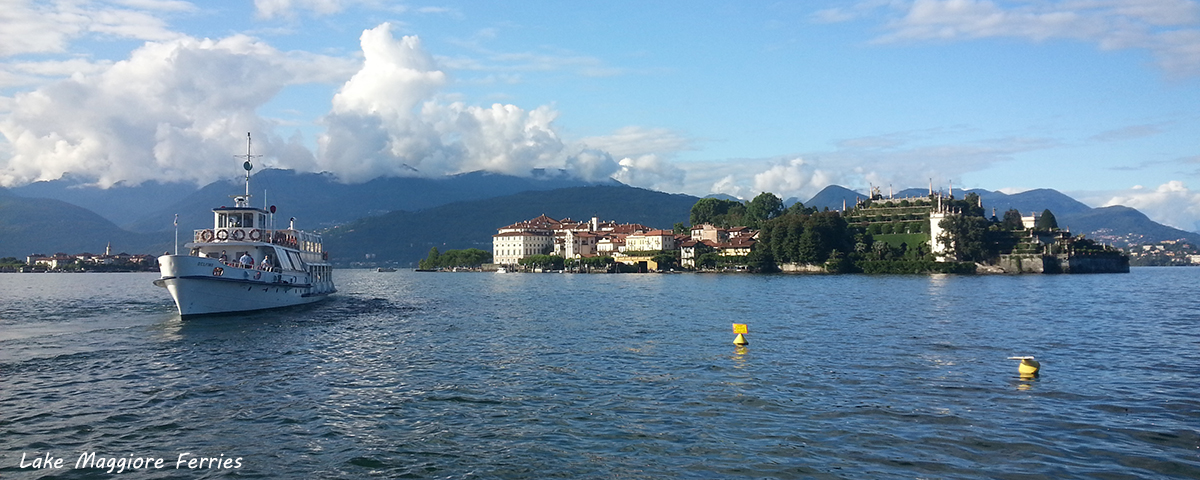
(81, 262)
(631, 244)
(878, 235)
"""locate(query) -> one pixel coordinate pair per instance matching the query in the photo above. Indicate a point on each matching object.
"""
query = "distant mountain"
(832, 197)
(120, 204)
(1115, 223)
(319, 201)
(29, 226)
(406, 237)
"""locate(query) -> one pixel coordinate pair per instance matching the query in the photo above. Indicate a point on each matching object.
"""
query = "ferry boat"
(243, 263)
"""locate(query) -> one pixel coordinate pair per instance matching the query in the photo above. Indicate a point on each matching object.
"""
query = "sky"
(1095, 98)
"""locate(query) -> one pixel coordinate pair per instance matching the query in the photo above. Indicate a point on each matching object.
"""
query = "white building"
(509, 247)
(652, 241)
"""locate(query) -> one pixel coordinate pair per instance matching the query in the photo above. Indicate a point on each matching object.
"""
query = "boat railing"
(308, 244)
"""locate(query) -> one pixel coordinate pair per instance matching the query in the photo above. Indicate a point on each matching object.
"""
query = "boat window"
(285, 261)
(296, 260)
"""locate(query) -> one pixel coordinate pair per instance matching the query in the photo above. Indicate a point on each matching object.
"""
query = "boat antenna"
(247, 165)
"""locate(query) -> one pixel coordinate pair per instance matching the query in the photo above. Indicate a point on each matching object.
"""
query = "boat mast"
(247, 165)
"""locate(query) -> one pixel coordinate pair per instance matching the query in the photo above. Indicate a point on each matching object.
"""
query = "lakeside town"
(878, 228)
(937, 233)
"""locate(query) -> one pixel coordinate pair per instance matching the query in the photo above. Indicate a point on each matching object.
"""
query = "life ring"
(255, 235)
(222, 235)
(206, 236)
(239, 235)
(218, 271)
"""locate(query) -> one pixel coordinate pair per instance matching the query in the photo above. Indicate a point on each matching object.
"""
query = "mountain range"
(399, 219)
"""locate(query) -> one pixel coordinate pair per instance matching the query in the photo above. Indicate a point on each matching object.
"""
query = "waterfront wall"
(1036, 263)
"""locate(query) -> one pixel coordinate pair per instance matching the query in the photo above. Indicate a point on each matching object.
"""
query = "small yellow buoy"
(740, 339)
(1028, 367)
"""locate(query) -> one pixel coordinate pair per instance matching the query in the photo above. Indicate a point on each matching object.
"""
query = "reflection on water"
(602, 376)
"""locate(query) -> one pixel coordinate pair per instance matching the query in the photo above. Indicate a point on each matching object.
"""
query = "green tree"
(967, 238)
(718, 212)
(1046, 221)
(666, 260)
(545, 262)
(762, 208)
(430, 262)
(681, 229)
(1012, 220)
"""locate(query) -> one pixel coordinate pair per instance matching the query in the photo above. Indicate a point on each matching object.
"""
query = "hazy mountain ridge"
(46, 226)
(1108, 224)
(405, 237)
(462, 211)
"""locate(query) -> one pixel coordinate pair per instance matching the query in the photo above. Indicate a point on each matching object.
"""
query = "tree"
(718, 212)
(681, 229)
(967, 238)
(545, 262)
(762, 208)
(666, 260)
(1046, 221)
(430, 262)
(1012, 220)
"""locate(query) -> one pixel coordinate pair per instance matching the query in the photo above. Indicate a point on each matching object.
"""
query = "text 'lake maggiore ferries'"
(243, 263)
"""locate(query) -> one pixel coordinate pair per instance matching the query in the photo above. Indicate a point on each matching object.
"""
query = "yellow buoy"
(1028, 367)
(739, 329)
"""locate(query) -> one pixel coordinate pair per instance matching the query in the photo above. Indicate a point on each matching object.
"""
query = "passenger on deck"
(266, 263)
(246, 260)
(224, 258)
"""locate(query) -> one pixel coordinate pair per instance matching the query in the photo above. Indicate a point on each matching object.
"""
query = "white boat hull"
(202, 286)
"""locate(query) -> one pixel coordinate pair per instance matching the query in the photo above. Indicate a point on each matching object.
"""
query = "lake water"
(469, 375)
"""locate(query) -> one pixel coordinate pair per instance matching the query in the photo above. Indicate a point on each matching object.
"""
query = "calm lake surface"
(470, 375)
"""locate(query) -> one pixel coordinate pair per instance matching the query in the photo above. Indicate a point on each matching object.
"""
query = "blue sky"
(1095, 98)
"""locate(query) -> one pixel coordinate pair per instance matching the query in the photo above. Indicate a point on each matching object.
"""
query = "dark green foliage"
(799, 209)
(762, 261)
(471, 257)
(1046, 221)
(601, 264)
(666, 260)
(718, 212)
(967, 238)
(806, 239)
(545, 262)
(762, 208)
(1012, 220)
(681, 229)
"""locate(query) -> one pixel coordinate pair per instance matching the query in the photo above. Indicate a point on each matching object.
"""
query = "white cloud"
(1171, 203)
(288, 8)
(34, 27)
(790, 179)
(387, 121)
(174, 110)
(1169, 29)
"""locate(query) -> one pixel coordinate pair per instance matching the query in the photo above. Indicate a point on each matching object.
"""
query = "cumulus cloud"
(173, 111)
(37, 27)
(791, 178)
(1169, 29)
(1171, 203)
(387, 120)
